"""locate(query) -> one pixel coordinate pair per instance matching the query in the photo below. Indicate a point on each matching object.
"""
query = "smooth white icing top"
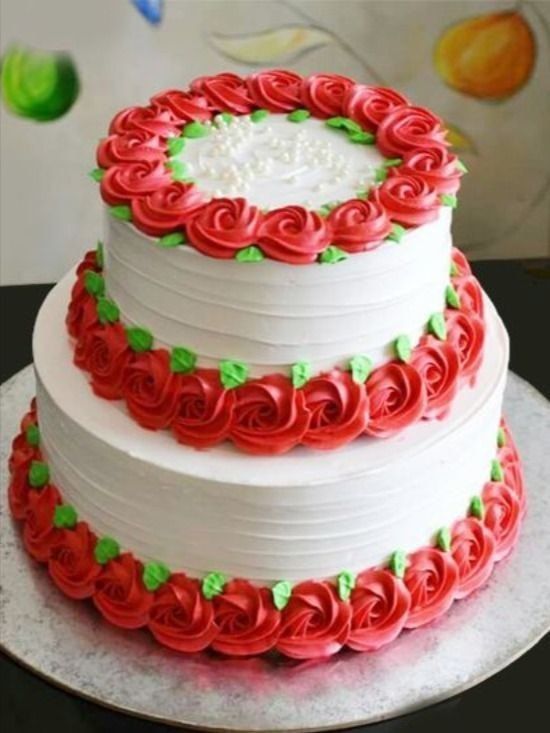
(270, 314)
(302, 515)
(275, 162)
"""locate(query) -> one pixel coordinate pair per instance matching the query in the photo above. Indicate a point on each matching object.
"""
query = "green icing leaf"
(497, 474)
(106, 549)
(32, 435)
(298, 115)
(477, 508)
(96, 174)
(233, 373)
(175, 145)
(343, 123)
(39, 474)
(436, 325)
(362, 194)
(182, 360)
(155, 574)
(139, 339)
(281, 593)
(501, 438)
(398, 563)
(402, 347)
(94, 283)
(107, 310)
(227, 117)
(259, 114)
(65, 516)
(336, 122)
(361, 138)
(179, 170)
(301, 373)
(124, 213)
(443, 539)
(360, 367)
(172, 240)
(392, 162)
(331, 255)
(449, 199)
(212, 585)
(195, 129)
(250, 254)
(397, 232)
(380, 175)
(452, 297)
(346, 583)
(454, 271)
(99, 255)
(460, 166)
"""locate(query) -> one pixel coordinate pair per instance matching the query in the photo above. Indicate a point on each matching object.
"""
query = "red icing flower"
(151, 389)
(205, 409)
(247, 620)
(148, 119)
(473, 549)
(379, 605)
(466, 332)
(180, 617)
(183, 106)
(22, 454)
(277, 90)
(369, 105)
(104, 353)
(121, 183)
(19, 491)
(409, 199)
(359, 225)
(293, 234)
(438, 364)
(323, 94)
(339, 410)
(120, 595)
(502, 516)
(436, 165)
(88, 263)
(82, 311)
(166, 209)
(397, 398)
(432, 580)
(133, 147)
(72, 565)
(409, 128)
(269, 416)
(39, 532)
(223, 227)
(225, 92)
(460, 261)
(470, 294)
(315, 622)
(513, 473)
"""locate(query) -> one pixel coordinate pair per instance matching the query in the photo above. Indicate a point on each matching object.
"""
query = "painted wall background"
(483, 66)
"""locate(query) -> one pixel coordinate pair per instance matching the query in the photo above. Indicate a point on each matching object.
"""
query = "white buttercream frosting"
(301, 515)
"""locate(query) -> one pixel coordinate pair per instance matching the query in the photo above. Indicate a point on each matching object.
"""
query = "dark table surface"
(511, 700)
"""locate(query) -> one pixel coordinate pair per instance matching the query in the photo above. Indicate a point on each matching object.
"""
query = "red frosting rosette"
(409, 199)
(225, 92)
(339, 410)
(473, 550)
(72, 565)
(166, 209)
(151, 390)
(293, 234)
(277, 90)
(269, 416)
(82, 311)
(513, 473)
(88, 263)
(460, 262)
(436, 165)
(315, 622)
(466, 332)
(104, 352)
(121, 183)
(19, 491)
(369, 105)
(470, 294)
(205, 409)
(409, 128)
(358, 225)
(380, 604)
(22, 454)
(154, 121)
(180, 617)
(223, 227)
(183, 106)
(247, 620)
(438, 364)
(397, 398)
(324, 94)
(120, 595)
(39, 532)
(502, 516)
(134, 147)
(432, 580)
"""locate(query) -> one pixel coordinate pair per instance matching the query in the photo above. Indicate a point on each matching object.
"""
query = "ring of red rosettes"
(242, 619)
(135, 167)
(268, 415)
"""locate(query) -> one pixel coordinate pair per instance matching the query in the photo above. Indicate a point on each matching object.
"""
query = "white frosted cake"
(274, 424)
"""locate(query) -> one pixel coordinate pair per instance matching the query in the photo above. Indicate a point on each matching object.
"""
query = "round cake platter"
(66, 643)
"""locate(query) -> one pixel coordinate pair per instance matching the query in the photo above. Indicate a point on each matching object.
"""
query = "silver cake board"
(68, 644)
